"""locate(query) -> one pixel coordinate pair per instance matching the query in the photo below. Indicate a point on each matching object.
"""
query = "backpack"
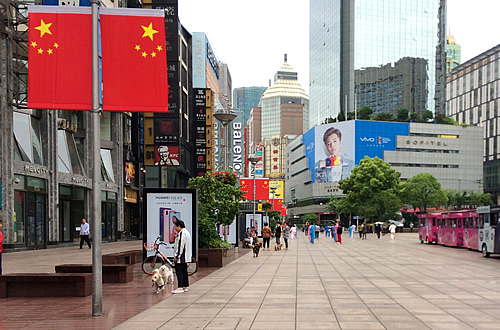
(339, 230)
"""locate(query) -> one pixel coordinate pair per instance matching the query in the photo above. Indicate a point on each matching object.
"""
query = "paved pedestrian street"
(361, 284)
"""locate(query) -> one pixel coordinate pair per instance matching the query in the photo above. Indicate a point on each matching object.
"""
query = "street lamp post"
(254, 160)
(225, 118)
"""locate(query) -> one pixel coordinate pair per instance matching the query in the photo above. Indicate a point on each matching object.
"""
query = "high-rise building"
(473, 98)
(284, 96)
(453, 53)
(245, 98)
(348, 37)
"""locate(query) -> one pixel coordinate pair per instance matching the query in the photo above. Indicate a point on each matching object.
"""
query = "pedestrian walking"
(411, 227)
(360, 231)
(327, 231)
(378, 229)
(334, 232)
(364, 231)
(392, 229)
(351, 230)
(306, 229)
(266, 235)
(1, 246)
(339, 233)
(277, 233)
(286, 234)
(182, 256)
(317, 229)
(312, 233)
(294, 232)
(84, 233)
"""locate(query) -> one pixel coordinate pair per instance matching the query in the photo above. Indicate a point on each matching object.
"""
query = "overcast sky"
(252, 36)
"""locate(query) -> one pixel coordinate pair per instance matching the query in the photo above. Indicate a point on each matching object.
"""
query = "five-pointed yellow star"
(153, 54)
(49, 51)
(137, 47)
(159, 48)
(40, 51)
(149, 31)
(56, 45)
(44, 28)
(144, 54)
(33, 43)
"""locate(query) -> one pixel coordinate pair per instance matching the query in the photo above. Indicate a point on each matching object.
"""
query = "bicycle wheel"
(151, 263)
(193, 267)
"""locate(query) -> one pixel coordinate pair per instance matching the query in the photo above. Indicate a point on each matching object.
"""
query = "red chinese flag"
(134, 62)
(246, 185)
(262, 189)
(60, 58)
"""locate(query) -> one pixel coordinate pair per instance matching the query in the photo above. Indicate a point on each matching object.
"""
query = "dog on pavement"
(278, 247)
(256, 249)
(167, 274)
(158, 282)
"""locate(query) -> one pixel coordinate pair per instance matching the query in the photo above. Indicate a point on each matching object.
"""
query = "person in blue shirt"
(327, 231)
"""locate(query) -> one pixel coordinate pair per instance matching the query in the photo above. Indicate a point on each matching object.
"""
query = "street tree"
(403, 115)
(423, 191)
(310, 217)
(427, 116)
(372, 191)
(364, 113)
(384, 116)
(218, 201)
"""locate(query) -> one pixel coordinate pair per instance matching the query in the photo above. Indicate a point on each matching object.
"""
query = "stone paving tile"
(361, 325)
(317, 325)
(267, 325)
(223, 323)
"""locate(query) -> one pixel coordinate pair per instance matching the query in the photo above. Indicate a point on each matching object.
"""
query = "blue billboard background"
(373, 137)
(308, 142)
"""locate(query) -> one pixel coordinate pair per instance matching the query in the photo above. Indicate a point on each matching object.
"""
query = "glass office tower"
(376, 53)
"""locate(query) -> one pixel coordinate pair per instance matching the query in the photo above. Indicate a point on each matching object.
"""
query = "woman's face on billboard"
(333, 145)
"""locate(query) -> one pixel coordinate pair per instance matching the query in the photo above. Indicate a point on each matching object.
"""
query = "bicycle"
(154, 262)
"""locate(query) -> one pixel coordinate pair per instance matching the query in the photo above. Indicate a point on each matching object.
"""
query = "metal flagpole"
(96, 175)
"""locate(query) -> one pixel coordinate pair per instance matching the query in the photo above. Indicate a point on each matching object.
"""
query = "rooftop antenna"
(285, 57)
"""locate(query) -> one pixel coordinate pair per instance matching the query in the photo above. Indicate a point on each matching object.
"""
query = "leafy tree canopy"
(384, 116)
(423, 191)
(364, 113)
(310, 217)
(372, 191)
(403, 115)
(218, 201)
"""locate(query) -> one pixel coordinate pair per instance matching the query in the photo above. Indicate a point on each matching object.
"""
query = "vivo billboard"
(334, 149)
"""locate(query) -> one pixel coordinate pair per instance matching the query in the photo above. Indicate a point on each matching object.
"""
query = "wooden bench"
(110, 273)
(45, 285)
(118, 258)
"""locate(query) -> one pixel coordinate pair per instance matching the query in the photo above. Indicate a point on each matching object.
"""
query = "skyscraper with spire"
(284, 105)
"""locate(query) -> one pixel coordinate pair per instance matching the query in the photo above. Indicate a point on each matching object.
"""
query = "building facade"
(285, 90)
(453, 53)
(245, 98)
(451, 153)
(347, 36)
(473, 98)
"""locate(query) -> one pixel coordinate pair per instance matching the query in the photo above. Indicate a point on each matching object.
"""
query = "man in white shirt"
(182, 256)
(84, 233)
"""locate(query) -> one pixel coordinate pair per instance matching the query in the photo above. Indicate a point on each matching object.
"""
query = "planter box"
(215, 257)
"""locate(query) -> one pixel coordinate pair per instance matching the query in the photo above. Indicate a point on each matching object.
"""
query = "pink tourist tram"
(488, 225)
(473, 229)
(427, 227)
(470, 223)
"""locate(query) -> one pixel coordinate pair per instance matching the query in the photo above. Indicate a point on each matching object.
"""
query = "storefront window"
(19, 207)
(68, 160)
(106, 126)
(107, 168)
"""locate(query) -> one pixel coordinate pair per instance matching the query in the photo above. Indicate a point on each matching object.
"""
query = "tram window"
(481, 220)
(493, 220)
(466, 223)
(421, 223)
(459, 223)
(433, 221)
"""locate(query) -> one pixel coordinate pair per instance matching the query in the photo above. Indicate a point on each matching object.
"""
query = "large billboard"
(334, 149)
(374, 137)
(162, 208)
